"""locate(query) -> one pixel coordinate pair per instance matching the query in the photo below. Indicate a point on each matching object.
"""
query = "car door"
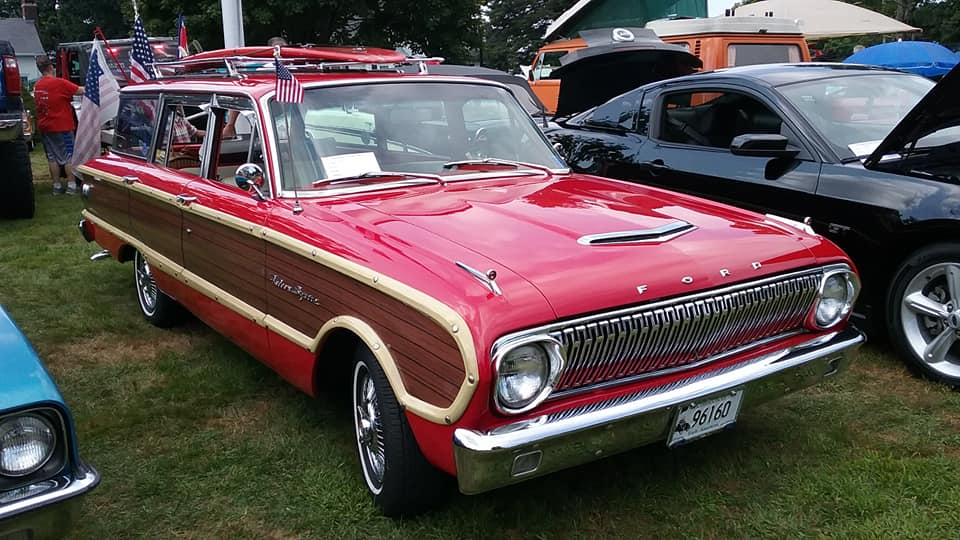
(223, 246)
(689, 150)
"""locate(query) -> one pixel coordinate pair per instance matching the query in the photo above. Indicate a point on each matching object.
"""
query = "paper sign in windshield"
(863, 149)
(347, 165)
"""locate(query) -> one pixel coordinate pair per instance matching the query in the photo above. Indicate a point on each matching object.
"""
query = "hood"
(939, 109)
(24, 380)
(616, 61)
(589, 244)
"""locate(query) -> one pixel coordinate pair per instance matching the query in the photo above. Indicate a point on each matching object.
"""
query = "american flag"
(101, 96)
(182, 48)
(288, 89)
(141, 55)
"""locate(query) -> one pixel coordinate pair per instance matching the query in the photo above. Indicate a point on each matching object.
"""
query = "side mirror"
(249, 177)
(762, 145)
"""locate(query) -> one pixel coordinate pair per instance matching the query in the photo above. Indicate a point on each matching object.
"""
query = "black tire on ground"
(16, 197)
(926, 277)
(157, 308)
(405, 483)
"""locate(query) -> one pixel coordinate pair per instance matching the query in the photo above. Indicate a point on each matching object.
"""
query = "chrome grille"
(682, 332)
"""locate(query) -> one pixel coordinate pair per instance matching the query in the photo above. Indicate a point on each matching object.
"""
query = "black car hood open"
(616, 61)
(939, 109)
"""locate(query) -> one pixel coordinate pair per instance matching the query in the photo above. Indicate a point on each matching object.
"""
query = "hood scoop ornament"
(641, 236)
(488, 278)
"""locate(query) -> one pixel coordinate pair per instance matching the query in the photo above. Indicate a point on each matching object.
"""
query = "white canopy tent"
(827, 18)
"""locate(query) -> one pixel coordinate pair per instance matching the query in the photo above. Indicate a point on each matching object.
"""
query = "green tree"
(448, 28)
(514, 30)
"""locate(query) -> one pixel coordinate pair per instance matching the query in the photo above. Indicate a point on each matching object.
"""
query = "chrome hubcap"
(369, 428)
(930, 316)
(146, 285)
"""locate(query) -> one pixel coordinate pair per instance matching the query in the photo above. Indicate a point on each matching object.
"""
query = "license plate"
(701, 418)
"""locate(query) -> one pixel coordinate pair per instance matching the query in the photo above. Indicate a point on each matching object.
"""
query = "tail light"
(11, 75)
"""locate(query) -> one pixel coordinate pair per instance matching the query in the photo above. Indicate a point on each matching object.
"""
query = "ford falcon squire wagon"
(415, 239)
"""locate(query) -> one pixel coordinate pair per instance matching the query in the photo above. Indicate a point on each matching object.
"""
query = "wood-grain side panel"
(108, 201)
(428, 359)
(227, 258)
(156, 224)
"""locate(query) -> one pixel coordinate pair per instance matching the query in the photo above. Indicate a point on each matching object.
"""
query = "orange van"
(718, 42)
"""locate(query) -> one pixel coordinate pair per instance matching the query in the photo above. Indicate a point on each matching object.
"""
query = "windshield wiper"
(500, 162)
(375, 175)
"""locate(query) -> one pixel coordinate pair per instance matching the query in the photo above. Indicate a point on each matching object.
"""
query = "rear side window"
(547, 64)
(748, 54)
(617, 114)
(136, 122)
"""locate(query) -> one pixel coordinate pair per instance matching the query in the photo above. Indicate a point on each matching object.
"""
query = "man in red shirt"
(57, 122)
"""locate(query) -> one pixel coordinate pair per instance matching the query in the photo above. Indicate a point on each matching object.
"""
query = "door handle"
(130, 180)
(656, 166)
(186, 199)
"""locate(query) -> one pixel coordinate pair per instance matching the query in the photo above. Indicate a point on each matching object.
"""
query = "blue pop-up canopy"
(921, 57)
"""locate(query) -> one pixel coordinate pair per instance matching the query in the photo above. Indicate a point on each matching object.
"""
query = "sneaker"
(58, 188)
(71, 189)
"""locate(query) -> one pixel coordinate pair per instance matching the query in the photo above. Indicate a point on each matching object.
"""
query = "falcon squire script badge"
(688, 280)
(297, 290)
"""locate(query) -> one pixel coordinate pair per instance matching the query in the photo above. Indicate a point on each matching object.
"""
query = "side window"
(643, 115)
(748, 54)
(136, 121)
(617, 114)
(183, 126)
(547, 64)
(241, 143)
(712, 119)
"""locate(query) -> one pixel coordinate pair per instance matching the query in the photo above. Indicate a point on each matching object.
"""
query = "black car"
(870, 156)
(16, 185)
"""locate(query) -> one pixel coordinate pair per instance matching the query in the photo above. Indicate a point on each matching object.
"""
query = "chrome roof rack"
(240, 67)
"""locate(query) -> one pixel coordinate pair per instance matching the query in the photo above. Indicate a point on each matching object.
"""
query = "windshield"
(428, 129)
(855, 113)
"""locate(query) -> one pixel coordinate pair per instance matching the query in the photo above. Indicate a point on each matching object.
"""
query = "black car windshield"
(426, 128)
(855, 113)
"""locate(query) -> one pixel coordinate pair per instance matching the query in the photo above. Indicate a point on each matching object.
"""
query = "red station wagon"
(416, 239)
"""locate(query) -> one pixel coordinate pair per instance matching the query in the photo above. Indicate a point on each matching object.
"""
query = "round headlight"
(522, 375)
(26, 443)
(837, 295)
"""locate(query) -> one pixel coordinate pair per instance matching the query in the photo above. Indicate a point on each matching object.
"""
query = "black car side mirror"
(762, 145)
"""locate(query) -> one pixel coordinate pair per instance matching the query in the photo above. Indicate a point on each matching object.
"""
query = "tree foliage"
(514, 30)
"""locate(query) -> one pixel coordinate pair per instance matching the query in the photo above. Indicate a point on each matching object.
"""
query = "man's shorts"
(58, 146)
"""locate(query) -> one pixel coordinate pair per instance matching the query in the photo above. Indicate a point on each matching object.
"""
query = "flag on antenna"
(182, 48)
(288, 88)
(101, 97)
(141, 55)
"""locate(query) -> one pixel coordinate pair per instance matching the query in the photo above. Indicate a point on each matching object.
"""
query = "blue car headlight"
(27, 442)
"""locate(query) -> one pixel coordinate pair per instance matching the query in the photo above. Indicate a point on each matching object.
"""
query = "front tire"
(156, 307)
(923, 312)
(398, 477)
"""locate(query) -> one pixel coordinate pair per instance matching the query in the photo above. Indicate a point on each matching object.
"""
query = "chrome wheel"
(930, 315)
(147, 291)
(368, 425)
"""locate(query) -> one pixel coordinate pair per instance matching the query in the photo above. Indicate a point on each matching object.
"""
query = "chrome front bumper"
(11, 127)
(488, 460)
(50, 511)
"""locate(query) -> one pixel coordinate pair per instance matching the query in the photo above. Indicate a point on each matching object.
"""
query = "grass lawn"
(195, 439)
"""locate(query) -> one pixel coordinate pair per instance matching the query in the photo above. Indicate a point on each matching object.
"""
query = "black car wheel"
(157, 308)
(397, 475)
(17, 201)
(923, 312)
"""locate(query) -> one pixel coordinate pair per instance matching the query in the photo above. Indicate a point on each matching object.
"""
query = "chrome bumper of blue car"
(534, 447)
(45, 509)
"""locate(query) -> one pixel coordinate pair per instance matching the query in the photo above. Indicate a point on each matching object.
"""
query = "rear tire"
(16, 199)
(923, 312)
(156, 307)
(398, 477)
